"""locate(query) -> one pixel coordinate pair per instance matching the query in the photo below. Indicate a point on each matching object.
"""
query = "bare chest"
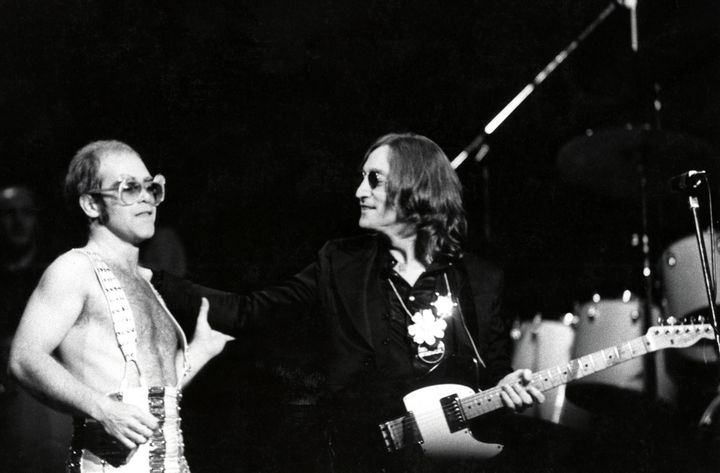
(153, 325)
(91, 347)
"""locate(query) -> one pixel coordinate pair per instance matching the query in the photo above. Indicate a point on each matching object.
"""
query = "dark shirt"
(397, 354)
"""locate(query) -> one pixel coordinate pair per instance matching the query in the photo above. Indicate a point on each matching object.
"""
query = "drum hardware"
(708, 278)
(692, 182)
(632, 164)
(593, 311)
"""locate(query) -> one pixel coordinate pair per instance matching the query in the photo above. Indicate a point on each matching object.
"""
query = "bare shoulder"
(69, 271)
(71, 263)
(57, 302)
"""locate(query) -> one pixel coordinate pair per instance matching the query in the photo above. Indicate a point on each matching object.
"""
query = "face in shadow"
(18, 218)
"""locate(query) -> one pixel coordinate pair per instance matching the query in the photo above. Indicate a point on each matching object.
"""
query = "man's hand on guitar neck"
(516, 391)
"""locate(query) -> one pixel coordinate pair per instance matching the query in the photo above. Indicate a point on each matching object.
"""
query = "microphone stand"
(479, 144)
(709, 286)
(706, 420)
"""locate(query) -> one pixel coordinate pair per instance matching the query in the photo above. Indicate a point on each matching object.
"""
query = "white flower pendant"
(426, 328)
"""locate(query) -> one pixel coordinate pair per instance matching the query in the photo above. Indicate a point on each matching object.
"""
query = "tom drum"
(682, 277)
(603, 324)
(542, 344)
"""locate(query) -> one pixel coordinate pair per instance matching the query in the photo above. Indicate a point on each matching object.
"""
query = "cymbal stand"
(648, 362)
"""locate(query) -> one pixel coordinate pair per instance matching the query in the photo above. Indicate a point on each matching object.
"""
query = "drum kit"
(632, 166)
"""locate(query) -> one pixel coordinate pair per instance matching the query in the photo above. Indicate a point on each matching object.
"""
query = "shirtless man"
(96, 341)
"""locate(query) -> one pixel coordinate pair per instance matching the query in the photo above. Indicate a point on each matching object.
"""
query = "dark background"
(259, 112)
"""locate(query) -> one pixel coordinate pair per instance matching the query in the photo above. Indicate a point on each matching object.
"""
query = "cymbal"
(610, 162)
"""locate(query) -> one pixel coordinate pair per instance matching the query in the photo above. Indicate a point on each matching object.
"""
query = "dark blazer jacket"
(341, 286)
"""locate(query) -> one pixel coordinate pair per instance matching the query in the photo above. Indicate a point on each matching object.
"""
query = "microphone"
(687, 181)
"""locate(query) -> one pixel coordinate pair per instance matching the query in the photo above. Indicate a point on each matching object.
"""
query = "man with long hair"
(402, 306)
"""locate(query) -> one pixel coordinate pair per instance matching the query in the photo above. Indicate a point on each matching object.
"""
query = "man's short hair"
(426, 193)
(83, 172)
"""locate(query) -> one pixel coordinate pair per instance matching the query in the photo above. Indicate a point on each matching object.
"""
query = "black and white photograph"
(336, 236)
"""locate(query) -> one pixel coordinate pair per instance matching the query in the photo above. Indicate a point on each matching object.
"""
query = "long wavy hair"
(426, 193)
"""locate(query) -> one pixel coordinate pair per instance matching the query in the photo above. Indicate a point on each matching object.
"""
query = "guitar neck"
(490, 400)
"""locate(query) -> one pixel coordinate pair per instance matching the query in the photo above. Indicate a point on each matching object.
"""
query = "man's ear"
(89, 205)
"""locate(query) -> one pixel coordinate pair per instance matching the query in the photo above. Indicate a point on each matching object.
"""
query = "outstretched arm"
(233, 313)
(52, 311)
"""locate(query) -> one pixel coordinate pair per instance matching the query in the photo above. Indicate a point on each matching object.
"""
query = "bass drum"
(541, 344)
(603, 324)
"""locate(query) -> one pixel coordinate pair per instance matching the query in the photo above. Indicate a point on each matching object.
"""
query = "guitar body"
(439, 440)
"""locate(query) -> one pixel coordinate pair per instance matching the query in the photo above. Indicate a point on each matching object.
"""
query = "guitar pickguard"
(443, 434)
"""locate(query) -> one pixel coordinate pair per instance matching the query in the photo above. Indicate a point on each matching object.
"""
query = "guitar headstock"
(678, 336)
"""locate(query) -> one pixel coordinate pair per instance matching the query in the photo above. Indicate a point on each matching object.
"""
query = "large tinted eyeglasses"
(128, 190)
(375, 178)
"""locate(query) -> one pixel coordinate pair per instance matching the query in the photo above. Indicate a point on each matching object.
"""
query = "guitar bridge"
(401, 432)
(453, 414)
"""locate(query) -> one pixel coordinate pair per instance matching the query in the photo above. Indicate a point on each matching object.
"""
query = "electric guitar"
(437, 416)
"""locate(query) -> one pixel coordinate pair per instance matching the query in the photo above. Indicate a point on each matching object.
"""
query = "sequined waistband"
(164, 451)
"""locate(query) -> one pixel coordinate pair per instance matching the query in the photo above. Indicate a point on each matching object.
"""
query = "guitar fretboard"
(490, 400)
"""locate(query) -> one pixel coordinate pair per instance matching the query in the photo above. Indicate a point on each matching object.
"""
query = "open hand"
(210, 341)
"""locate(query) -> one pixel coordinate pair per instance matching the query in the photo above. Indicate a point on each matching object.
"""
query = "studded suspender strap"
(120, 312)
